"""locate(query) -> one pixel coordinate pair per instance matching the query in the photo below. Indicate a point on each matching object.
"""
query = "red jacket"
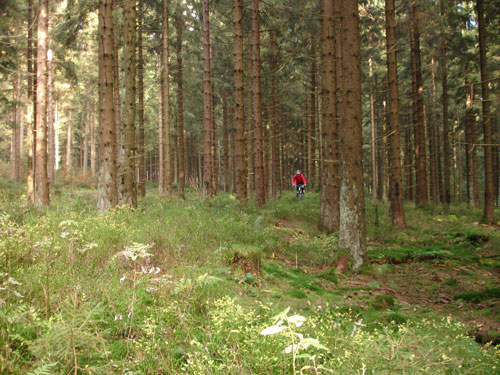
(298, 179)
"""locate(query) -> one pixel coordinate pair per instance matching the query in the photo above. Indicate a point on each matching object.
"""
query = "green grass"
(70, 296)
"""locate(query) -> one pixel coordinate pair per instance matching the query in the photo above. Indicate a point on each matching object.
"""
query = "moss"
(296, 293)
(477, 296)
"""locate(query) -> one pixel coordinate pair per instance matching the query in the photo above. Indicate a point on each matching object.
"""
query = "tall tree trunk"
(276, 185)
(140, 107)
(31, 123)
(116, 93)
(444, 83)
(207, 104)
(380, 149)
(167, 154)
(434, 142)
(489, 198)
(161, 138)
(41, 176)
(241, 167)
(50, 122)
(180, 103)
(69, 140)
(225, 144)
(260, 196)
(128, 187)
(352, 234)
(15, 159)
(106, 191)
(311, 134)
(418, 109)
(329, 209)
(86, 135)
(431, 126)
(394, 151)
(92, 146)
(373, 140)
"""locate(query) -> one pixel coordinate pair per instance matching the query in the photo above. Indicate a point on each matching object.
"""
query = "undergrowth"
(174, 287)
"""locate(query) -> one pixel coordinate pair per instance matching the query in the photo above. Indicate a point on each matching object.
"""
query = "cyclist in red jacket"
(298, 180)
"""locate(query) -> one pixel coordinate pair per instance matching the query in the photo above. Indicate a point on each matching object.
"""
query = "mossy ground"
(185, 286)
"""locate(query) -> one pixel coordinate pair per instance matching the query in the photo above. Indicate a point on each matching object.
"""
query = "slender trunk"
(31, 123)
(15, 172)
(106, 191)
(352, 234)
(86, 144)
(167, 152)
(225, 144)
(418, 109)
(41, 176)
(444, 84)
(373, 140)
(329, 209)
(393, 138)
(436, 146)
(161, 139)
(311, 134)
(180, 104)
(470, 149)
(92, 146)
(489, 198)
(140, 107)
(381, 152)
(116, 93)
(276, 186)
(207, 105)
(260, 196)
(431, 128)
(50, 123)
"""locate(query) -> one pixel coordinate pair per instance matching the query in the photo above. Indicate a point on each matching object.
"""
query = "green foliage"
(477, 296)
(154, 290)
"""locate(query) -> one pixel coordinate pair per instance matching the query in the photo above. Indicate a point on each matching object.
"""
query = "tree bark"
(86, 135)
(128, 187)
(225, 145)
(41, 157)
(50, 122)
(161, 137)
(260, 193)
(394, 151)
(373, 140)
(141, 159)
(241, 167)
(489, 193)
(106, 191)
(116, 94)
(15, 159)
(167, 167)
(92, 146)
(276, 185)
(31, 123)
(311, 134)
(444, 84)
(421, 197)
(208, 174)
(352, 234)
(330, 190)
(180, 104)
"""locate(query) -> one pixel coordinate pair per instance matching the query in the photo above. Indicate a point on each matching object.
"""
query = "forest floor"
(186, 286)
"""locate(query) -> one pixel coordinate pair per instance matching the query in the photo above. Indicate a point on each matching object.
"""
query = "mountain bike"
(300, 191)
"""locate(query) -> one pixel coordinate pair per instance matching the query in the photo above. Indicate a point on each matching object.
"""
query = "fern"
(45, 369)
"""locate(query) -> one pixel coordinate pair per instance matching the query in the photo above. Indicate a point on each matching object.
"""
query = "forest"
(153, 155)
